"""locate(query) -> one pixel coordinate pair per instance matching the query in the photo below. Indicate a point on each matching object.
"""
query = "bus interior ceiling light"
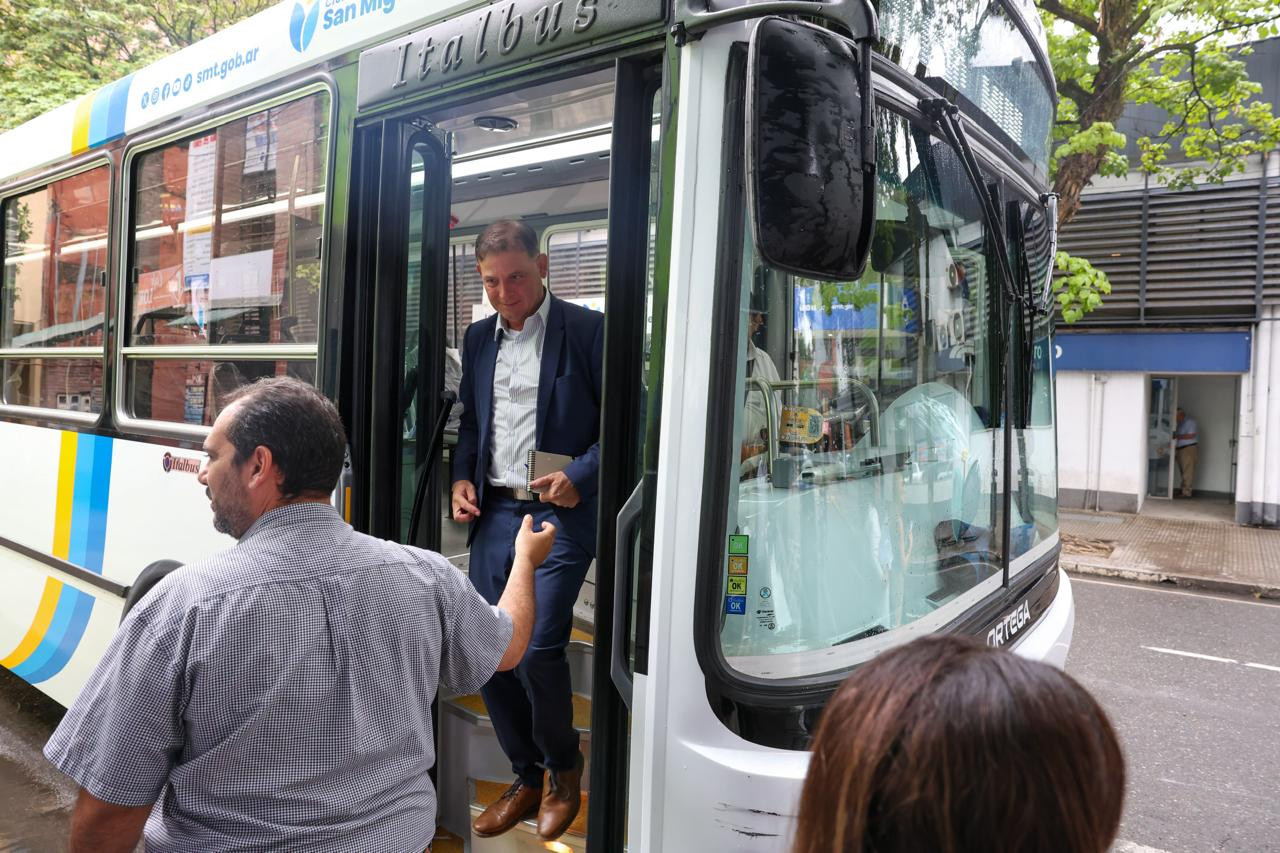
(522, 157)
(496, 124)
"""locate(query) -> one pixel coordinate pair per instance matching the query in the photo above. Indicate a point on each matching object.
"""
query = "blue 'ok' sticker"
(735, 604)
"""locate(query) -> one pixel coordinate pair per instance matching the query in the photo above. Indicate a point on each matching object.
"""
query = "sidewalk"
(1191, 550)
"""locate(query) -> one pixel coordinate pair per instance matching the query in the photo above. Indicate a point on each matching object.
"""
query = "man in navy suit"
(531, 378)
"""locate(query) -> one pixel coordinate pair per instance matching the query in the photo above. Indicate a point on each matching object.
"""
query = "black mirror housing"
(810, 149)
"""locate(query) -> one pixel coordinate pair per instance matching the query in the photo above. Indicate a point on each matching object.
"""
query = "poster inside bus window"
(239, 211)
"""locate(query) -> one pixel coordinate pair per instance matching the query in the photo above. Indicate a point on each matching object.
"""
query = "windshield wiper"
(946, 116)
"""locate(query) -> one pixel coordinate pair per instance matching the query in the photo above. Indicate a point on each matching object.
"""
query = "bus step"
(525, 835)
(469, 749)
(446, 842)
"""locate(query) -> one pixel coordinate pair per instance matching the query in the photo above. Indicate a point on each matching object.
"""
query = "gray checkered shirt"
(278, 695)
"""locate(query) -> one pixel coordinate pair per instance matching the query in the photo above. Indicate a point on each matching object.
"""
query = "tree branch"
(1193, 96)
(1074, 91)
(1080, 19)
(1190, 46)
(1135, 26)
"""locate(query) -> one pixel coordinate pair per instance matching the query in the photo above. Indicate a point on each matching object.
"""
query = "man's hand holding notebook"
(547, 479)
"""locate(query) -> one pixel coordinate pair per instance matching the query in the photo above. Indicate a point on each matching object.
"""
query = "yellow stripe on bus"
(80, 129)
(39, 625)
(66, 494)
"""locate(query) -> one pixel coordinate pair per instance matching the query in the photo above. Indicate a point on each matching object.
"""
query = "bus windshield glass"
(867, 506)
(977, 48)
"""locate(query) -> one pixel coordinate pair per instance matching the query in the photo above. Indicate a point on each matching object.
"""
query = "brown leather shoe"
(561, 799)
(516, 803)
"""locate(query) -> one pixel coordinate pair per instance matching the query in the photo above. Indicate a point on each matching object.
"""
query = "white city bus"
(818, 234)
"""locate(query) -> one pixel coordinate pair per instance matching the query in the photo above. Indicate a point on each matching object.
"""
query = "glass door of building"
(1161, 409)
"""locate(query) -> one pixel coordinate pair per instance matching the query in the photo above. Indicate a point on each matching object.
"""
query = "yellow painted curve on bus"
(39, 625)
(61, 548)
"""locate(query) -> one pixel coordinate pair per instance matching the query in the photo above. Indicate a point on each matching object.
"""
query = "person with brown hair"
(948, 745)
(532, 380)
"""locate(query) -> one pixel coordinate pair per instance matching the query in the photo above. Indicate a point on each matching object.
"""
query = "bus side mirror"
(810, 149)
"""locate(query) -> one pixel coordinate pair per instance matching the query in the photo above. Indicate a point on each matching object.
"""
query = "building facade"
(1193, 322)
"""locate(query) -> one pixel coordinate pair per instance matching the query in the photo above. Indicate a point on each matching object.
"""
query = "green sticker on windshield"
(738, 543)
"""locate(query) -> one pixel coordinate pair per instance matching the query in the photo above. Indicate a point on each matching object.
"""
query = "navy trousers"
(531, 706)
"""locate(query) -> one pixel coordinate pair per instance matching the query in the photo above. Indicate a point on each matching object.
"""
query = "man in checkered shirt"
(278, 695)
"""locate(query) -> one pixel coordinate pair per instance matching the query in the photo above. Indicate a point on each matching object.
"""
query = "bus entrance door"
(575, 158)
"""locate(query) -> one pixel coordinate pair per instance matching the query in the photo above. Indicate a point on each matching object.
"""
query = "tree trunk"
(1106, 103)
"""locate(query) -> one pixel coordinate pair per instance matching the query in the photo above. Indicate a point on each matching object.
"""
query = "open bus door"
(418, 206)
(394, 373)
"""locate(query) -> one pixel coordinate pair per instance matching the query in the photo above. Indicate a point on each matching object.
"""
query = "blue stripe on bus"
(99, 113)
(89, 505)
(106, 122)
(78, 553)
(99, 491)
(54, 653)
(62, 618)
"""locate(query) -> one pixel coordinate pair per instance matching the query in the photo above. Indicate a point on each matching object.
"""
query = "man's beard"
(230, 511)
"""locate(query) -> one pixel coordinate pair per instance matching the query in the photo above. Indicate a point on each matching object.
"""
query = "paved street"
(35, 800)
(1192, 682)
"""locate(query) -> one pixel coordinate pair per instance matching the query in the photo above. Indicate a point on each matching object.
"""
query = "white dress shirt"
(515, 397)
(759, 364)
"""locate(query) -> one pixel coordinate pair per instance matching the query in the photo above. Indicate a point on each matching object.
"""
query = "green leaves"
(1079, 287)
(1184, 57)
(57, 50)
(1100, 138)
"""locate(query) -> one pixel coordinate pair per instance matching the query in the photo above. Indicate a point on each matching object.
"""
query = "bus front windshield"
(867, 504)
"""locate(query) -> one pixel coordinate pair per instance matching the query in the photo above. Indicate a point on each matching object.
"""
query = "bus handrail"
(771, 435)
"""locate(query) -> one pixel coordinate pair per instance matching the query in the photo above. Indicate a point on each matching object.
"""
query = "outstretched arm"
(518, 600)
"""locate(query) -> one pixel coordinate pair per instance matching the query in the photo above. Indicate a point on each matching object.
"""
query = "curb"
(1154, 576)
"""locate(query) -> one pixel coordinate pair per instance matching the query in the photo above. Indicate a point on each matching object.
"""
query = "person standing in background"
(1186, 438)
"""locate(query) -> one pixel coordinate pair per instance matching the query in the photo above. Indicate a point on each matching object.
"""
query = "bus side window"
(53, 294)
(225, 251)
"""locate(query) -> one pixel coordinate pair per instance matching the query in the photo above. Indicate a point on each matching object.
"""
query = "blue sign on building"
(1154, 352)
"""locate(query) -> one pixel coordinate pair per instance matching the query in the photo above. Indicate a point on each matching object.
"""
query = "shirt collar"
(288, 515)
(543, 310)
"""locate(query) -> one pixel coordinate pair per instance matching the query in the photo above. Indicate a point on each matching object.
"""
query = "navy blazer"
(569, 385)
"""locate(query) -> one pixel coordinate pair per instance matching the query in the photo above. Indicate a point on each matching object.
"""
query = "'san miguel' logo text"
(328, 14)
(181, 464)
